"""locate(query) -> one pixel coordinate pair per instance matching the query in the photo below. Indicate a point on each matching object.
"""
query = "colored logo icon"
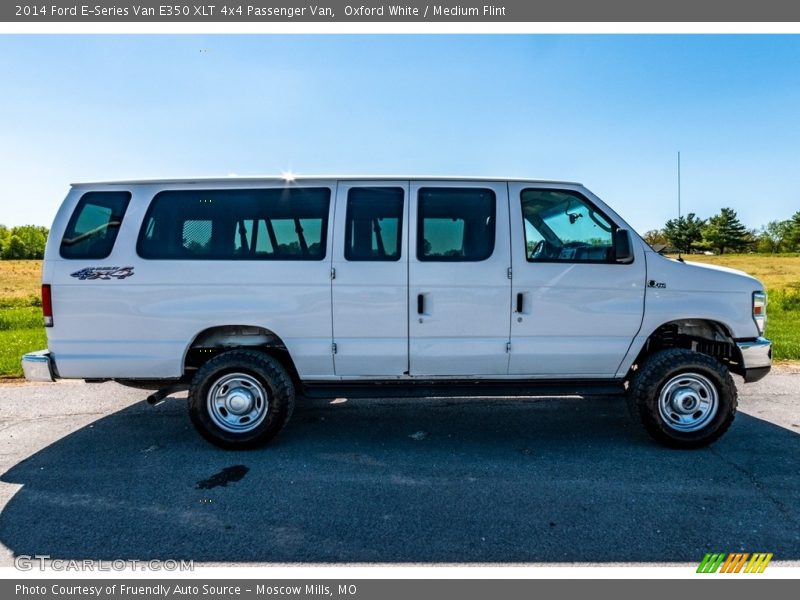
(735, 562)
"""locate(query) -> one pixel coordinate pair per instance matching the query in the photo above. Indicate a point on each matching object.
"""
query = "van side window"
(225, 224)
(561, 226)
(455, 224)
(93, 226)
(374, 224)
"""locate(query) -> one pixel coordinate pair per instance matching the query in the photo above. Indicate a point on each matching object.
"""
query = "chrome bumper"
(756, 358)
(38, 366)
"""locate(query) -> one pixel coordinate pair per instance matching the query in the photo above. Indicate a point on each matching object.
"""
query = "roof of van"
(306, 178)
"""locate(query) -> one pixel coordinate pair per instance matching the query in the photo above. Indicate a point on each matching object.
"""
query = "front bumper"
(39, 366)
(756, 358)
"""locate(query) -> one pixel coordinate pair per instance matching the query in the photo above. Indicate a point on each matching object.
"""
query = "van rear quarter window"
(241, 224)
(94, 224)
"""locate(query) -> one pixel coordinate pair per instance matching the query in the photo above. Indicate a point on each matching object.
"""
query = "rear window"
(254, 224)
(94, 225)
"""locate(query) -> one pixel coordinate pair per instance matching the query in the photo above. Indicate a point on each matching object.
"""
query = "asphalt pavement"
(90, 471)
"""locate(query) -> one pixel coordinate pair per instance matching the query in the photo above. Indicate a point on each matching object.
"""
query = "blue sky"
(610, 111)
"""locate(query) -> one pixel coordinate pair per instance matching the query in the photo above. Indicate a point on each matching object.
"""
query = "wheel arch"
(706, 336)
(217, 339)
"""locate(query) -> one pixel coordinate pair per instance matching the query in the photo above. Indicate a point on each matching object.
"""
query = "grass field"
(21, 328)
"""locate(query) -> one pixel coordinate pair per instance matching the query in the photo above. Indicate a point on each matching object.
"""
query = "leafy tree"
(774, 236)
(724, 232)
(793, 233)
(33, 238)
(15, 248)
(656, 237)
(5, 235)
(24, 241)
(684, 232)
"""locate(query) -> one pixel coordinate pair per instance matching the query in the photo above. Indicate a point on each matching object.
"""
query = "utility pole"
(680, 258)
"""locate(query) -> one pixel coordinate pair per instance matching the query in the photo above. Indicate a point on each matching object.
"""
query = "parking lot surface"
(90, 471)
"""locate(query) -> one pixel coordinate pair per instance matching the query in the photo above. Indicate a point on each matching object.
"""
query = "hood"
(671, 274)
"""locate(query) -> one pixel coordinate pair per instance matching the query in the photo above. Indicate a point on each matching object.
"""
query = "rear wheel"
(241, 399)
(682, 398)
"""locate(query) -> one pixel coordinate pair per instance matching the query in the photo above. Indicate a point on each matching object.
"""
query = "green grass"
(21, 316)
(21, 328)
(783, 323)
(16, 342)
(21, 331)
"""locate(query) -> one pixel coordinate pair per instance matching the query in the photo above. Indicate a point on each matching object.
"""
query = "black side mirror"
(623, 251)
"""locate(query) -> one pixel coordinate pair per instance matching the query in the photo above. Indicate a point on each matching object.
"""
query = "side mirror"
(623, 250)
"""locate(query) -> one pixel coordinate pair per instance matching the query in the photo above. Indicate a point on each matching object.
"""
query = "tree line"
(725, 233)
(24, 241)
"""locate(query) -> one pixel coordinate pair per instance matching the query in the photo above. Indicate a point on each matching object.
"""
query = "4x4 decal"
(104, 273)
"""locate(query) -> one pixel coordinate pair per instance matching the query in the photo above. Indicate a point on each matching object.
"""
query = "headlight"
(760, 310)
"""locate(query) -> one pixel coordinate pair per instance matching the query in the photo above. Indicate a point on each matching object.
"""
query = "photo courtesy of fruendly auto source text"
(399, 300)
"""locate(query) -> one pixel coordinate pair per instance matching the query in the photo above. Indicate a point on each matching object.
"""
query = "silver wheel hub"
(685, 401)
(688, 402)
(237, 402)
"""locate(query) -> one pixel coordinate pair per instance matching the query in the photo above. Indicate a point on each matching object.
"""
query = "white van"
(248, 292)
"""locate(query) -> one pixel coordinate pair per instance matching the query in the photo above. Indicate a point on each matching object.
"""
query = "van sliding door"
(459, 286)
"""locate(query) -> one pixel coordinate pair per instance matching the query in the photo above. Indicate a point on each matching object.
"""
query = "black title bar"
(407, 11)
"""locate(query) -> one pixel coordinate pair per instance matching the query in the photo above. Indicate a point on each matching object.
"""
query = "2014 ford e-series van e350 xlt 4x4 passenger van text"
(250, 292)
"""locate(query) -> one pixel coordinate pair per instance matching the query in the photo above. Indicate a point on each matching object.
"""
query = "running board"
(461, 389)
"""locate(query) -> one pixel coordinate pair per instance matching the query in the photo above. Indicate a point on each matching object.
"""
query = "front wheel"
(682, 398)
(241, 399)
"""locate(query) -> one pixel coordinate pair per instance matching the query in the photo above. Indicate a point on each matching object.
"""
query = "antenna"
(679, 199)
(679, 184)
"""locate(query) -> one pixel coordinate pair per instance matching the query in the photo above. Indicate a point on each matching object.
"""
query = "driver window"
(560, 226)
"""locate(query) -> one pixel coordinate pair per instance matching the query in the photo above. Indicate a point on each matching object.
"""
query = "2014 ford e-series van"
(248, 292)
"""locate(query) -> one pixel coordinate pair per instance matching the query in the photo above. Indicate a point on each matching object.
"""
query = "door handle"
(520, 301)
(420, 304)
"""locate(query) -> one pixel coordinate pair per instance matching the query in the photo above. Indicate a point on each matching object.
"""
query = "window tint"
(197, 236)
(374, 224)
(455, 224)
(562, 226)
(94, 225)
(278, 224)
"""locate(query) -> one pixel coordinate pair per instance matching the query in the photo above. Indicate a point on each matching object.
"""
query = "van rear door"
(370, 279)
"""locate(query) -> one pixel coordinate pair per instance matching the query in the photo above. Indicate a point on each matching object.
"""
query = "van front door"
(577, 308)
(459, 290)
(370, 279)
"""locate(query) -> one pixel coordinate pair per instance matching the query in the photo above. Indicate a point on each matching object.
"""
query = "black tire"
(688, 380)
(241, 380)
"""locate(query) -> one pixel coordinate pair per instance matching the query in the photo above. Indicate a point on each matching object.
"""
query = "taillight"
(760, 310)
(47, 305)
